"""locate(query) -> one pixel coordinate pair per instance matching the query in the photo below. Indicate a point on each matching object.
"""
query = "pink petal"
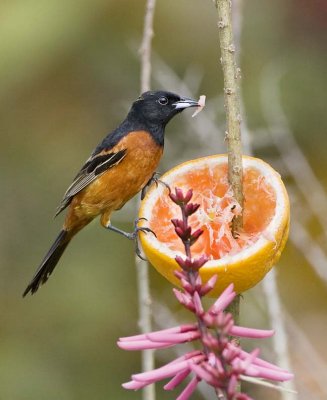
(257, 361)
(189, 389)
(250, 332)
(132, 338)
(174, 338)
(133, 385)
(267, 373)
(166, 371)
(251, 357)
(143, 345)
(232, 385)
(201, 373)
(187, 286)
(197, 303)
(223, 300)
(207, 287)
(161, 373)
(179, 274)
(215, 369)
(143, 336)
(198, 283)
(216, 362)
(247, 366)
(184, 299)
(187, 356)
(176, 331)
(176, 380)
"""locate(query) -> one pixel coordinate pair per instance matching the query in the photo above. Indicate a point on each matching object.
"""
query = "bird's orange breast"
(119, 184)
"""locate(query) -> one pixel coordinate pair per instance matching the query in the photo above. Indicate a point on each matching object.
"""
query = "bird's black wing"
(92, 169)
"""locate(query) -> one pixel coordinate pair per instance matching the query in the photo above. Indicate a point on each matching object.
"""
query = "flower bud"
(190, 209)
(178, 197)
(195, 235)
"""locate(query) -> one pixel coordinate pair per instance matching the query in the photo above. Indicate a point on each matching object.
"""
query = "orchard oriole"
(119, 167)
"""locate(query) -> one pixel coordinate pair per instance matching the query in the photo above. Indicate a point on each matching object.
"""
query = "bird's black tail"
(49, 262)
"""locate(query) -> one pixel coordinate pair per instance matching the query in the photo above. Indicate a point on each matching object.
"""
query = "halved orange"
(243, 261)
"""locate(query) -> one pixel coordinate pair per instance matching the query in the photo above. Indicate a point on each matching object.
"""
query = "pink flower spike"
(250, 332)
(177, 380)
(133, 385)
(189, 389)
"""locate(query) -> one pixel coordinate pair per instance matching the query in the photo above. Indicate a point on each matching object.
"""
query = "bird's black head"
(154, 109)
(158, 107)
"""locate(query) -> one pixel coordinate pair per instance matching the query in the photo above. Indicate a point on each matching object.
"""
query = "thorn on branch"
(231, 48)
(238, 74)
(222, 24)
(229, 91)
(237, 169)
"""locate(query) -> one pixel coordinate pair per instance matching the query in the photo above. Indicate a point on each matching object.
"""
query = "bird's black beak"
(185, 102)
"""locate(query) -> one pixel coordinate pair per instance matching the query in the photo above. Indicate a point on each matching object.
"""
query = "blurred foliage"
(68, 73)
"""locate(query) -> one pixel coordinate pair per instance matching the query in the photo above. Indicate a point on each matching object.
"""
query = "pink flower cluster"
(221, 362)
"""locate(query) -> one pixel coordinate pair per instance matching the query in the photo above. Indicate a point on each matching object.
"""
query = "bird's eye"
(163, 100)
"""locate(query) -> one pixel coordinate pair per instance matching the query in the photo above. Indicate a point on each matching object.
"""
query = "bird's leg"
(154, 179)
(132, 235)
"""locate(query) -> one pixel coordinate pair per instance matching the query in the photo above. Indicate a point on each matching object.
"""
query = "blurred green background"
(68, 72)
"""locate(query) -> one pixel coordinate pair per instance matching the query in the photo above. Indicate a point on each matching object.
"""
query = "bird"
(123, 164)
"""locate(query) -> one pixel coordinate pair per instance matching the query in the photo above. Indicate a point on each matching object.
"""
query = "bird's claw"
(135, 236)
(138, 252)
(154, 179)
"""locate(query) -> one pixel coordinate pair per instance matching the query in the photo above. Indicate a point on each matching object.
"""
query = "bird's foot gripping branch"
(219, 362)
(133, 235)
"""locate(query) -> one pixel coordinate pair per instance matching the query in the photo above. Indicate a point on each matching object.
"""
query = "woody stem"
(233, 117)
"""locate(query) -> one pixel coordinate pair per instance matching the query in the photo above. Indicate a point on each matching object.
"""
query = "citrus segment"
(243, 260)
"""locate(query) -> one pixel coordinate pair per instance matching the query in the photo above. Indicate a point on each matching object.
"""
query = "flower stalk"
(220, 362)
